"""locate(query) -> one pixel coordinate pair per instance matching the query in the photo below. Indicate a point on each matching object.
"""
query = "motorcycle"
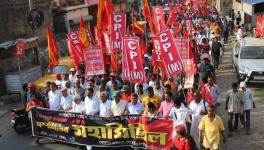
(20, 121)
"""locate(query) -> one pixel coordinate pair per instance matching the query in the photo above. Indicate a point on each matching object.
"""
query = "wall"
(13, 19)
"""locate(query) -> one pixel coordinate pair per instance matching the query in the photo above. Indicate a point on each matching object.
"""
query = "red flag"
(147, 15)
(260, 26)
(205, 94)
(20, 47)
(138, 28)
(83, 34)
(115, 66)
(53, 49)
(170, 55)
(172, 17)
(104, 13)
(143, 47)
(117, 31)
(158, 19)
(135, 70)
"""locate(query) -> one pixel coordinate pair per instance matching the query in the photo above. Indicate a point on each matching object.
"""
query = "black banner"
(133, 130)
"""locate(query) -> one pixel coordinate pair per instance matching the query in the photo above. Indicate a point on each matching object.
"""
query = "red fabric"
(205, 94)
(260, 26)
(33, 103)
(182, 144)
(172, 17)
(126, 97)
(137, 28)
(143, 48)
(53, 49)
(20, 47)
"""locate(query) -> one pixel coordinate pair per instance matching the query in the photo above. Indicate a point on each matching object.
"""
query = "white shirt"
(179, 115)
(58, 83)
(195, 110)
(247, 99)
(118, 109)
(135, 109)
(105, 109)
(239, 34)
(215, 93)
(54, 100)
(66, 102)
(78, 108)
(92, 105)
(204, 55)
(158, 92)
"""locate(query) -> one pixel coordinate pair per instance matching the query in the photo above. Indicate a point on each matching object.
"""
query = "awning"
(9, 44)
(253, 2)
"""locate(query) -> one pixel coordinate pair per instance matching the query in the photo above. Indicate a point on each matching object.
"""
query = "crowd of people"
(196, 123)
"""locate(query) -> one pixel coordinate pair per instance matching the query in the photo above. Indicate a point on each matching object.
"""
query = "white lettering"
(133, 54)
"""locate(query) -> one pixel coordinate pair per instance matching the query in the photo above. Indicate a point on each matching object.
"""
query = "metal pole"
(21, 89)
(30, 4)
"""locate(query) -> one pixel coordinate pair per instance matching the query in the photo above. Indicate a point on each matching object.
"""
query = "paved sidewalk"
(4, 108)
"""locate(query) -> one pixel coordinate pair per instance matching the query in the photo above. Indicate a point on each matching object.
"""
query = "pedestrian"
(215, 52)
(180, 115)
(239, 33)
(238, 18)
(182, 142)
(54, 96)
(248, 105)
(225, 30)
(105, 105)
(214, 91)
(151, 111)
(119, 106)
(78, 106)
(66, 100)
(126, 93)
(33, 102)
(58, 80)
(151, 98)
(78, 90)
(210, 128)
(158, 89)
(205, 69)
(234, 106)
(166, 105)
(92, 103)
(198, 110)
(135, 107)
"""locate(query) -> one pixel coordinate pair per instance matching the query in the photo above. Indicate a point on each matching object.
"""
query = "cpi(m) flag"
(132, 58)
(260, 26)
(158, 19)
(52, 49)
(75, 49)
(117, 31)
(170, 55)
(94, 61)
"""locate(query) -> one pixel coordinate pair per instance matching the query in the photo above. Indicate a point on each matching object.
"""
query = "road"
(225, 76)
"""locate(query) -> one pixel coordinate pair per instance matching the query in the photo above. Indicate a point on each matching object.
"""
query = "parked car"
(248, 59)
(65, 63)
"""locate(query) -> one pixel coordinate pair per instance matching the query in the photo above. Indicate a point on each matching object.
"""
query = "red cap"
(31, 86)
(58, 76)
(180, 128)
